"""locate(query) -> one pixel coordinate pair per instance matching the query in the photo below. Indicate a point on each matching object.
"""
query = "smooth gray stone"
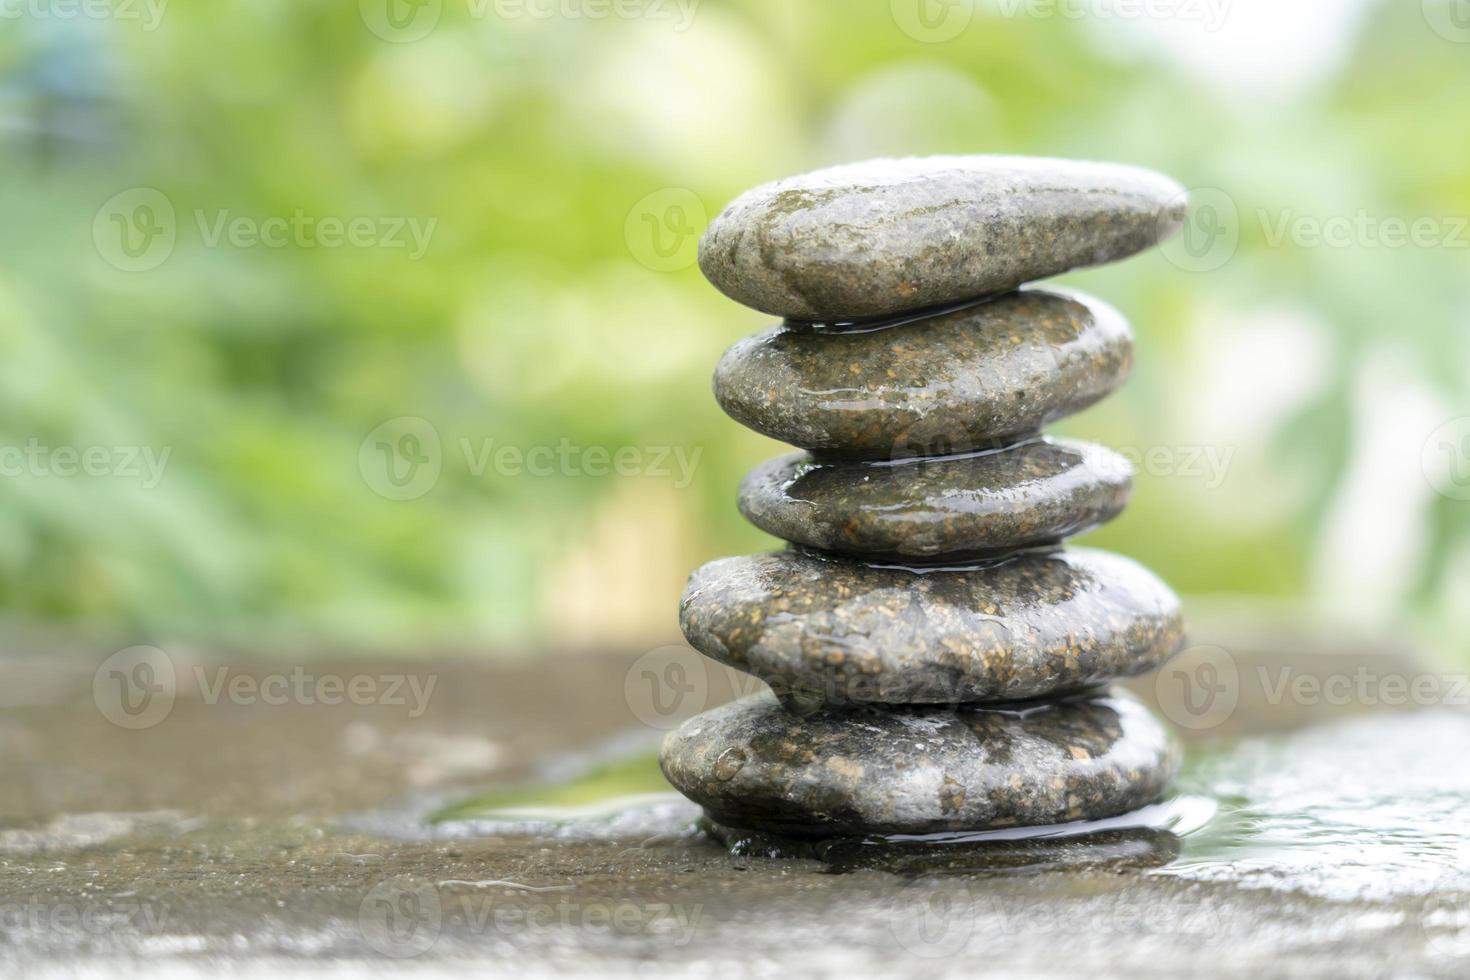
(962, 381)
(885, 236)
(919, 770)
(955, 506)
(838, 631)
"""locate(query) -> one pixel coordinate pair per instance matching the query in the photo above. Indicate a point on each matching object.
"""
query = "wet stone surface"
(251, 840)
(927, 513)
(838, 631)
(1041, 490)
(975, 378)
(919, 770)
(880, 237)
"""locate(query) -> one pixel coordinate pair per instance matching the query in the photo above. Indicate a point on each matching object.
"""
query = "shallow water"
(1365, 808)
(1369, 808)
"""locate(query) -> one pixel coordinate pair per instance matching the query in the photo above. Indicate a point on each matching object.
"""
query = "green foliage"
(531, 320)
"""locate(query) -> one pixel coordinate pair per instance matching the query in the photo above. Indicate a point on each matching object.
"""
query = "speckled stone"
(1040, 490)
(884, 236)
(838, 631)
(961, 381)
(919, 770)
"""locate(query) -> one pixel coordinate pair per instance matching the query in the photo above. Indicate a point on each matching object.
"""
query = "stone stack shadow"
(938, 660)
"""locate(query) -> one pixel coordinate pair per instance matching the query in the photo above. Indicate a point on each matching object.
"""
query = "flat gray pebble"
(885, 236)
(951, 507)
(751, 764)
(840, 631)
(971, 379)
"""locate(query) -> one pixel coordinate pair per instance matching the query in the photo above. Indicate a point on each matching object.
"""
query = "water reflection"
(1367, 808)
(1147, 838)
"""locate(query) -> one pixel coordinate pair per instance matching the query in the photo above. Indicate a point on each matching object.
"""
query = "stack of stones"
(938, 662)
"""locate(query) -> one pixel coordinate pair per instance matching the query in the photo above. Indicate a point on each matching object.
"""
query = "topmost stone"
(874, 239)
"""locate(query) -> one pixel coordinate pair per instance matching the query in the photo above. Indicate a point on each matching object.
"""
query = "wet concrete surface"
(237, 835)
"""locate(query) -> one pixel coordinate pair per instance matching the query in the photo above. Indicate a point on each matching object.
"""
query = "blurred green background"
(1293, 410)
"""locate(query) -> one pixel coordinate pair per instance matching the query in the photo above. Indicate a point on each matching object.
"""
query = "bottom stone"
(918, 770)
